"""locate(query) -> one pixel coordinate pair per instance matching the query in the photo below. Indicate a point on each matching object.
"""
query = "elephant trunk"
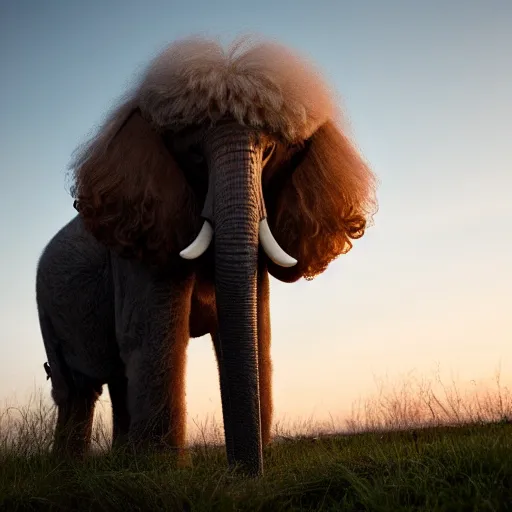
(235, 162)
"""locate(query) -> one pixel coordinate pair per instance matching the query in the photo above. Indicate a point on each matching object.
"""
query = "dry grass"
(395, 453)
(418, 402)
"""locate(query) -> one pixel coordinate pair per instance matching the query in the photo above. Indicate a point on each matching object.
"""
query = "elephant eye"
(185, 146)
(195, 154)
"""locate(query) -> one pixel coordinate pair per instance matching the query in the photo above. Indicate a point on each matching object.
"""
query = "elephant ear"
(130, 192)
(326, 202)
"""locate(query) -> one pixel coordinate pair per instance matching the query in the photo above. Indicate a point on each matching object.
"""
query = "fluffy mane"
(261, 84)
(133, 195)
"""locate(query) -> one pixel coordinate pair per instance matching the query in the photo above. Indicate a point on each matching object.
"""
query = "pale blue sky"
(427, 88)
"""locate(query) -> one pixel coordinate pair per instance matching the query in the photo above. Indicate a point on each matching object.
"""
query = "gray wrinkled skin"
(105, 320)
(126, 323)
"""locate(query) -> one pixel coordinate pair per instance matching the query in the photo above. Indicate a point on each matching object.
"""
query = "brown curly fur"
(325, 203)
(133, 196)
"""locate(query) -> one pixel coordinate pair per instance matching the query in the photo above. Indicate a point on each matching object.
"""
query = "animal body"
(219, 168)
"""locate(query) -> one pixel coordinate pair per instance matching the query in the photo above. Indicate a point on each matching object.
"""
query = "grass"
(408, 448)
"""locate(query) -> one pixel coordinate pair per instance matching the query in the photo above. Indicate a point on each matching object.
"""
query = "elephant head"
(235, 149)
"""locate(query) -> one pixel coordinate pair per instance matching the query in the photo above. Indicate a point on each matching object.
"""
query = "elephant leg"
(155, 357)
(156, 397)
(74, 395)
(264, 357)
(117, 387)
(75, 413)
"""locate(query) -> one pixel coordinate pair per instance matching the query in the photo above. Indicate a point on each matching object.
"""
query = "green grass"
(437, 468)
(467, 468)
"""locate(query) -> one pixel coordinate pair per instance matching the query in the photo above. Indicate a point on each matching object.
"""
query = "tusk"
(271, 247)
(200, 244)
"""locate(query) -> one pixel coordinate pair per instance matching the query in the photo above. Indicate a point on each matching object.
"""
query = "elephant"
(219, 168)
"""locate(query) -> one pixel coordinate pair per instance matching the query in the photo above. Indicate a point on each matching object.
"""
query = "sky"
(426, 88)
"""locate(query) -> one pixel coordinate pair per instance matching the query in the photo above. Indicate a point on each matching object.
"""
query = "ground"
(434, 469)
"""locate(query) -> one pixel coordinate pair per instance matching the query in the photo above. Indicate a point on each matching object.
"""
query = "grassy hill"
(389, 461)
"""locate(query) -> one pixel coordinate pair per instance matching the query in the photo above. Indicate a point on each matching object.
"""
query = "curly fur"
(325, 203)
(132, 195)
(263, 85)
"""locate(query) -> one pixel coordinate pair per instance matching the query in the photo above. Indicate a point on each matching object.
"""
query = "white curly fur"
(261, 84)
